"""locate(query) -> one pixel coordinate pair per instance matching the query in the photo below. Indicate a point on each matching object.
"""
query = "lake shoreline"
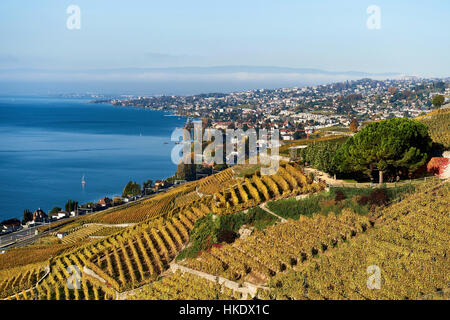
(49, 143)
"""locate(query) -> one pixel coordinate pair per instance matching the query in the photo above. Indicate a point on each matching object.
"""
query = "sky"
(117, 36)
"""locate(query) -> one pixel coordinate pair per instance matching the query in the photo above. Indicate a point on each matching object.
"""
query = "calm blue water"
(48, 144)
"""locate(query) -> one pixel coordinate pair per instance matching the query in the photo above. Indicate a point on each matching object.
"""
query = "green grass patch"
(335, 128)
(292, 209)
(284, 149)
(359, 200)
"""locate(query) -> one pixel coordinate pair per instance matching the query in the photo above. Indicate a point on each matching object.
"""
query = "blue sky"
(328, 35)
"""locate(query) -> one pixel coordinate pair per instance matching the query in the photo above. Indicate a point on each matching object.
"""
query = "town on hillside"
(300, 111)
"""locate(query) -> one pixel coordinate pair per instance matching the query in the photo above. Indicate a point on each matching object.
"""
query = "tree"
(354, 125)
(220, 167)
(321, 155)
(440, 85)
(438, 100)
(54, 210)
(89, 205)
(146, 185)
(299, 135)
(117, 201)
(71, 205)
(186, 171)
(131, 189)
(392, 90)
(27, 216)
(397, 145)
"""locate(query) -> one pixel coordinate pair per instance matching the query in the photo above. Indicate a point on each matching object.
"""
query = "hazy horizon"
(174, 80)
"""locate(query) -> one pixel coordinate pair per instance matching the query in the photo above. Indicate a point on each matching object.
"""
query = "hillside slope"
(409, 247)
(143, 251)
(438, 123)
(332, 257)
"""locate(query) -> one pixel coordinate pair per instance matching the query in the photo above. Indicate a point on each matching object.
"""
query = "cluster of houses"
(40, 217)
(287, 128)
(14, 224)
(10, 225)
(306, 109)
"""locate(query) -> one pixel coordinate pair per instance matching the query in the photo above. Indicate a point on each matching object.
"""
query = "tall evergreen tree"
(27, 216)
(71, 205)
(186, 171)
(146, 185)
(131, 189)
(397, 144)
(438, 100)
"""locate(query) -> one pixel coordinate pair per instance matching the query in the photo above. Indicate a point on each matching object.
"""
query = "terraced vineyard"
(20, 281)
(30, 255)
(186, 286)
(139, 254)
(106, 231)
(159, 205)
(54, 225)
(85, 232)
(55, 286)
(410, 249)
(130, 260)
(81, 233)
(318, 257)
(57, 289)
(252, 191)
(438, 126)
(216, 182)
(284, 246)
(187, 199)
(284, 149)
(145, 210)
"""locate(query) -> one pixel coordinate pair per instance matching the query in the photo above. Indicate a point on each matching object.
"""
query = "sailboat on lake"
(83, 182)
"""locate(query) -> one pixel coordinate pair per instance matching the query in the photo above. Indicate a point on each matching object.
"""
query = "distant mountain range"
(204, 70)
(170, 80)
(257, 69)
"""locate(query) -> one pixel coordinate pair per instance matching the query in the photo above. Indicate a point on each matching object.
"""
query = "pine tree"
(27, 216)
(389, 145)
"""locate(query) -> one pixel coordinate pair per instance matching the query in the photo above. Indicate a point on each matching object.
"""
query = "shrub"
(437, 165)
(378, 197)
(339, 196)
(310, 177)
(362, 200)
(227, 236)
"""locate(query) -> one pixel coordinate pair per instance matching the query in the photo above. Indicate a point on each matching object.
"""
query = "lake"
(48, 144)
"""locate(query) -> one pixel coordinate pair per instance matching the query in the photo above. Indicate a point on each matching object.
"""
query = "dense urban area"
(308, 108)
